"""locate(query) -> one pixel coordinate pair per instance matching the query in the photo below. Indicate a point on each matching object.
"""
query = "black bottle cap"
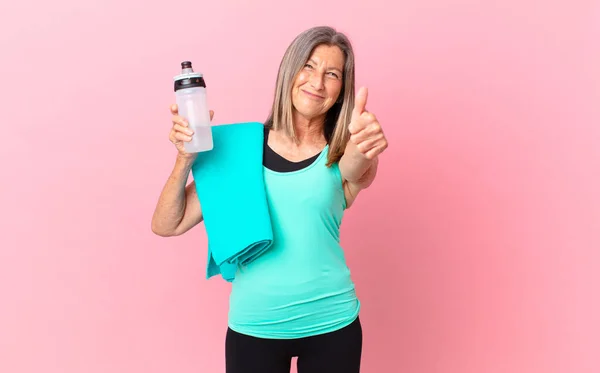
(188, 78)
(189, 82)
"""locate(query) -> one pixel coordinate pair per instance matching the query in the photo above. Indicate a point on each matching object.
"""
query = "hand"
(181, 133)
(365, 130)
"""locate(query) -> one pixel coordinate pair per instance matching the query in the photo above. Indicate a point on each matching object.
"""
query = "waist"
(292, 309)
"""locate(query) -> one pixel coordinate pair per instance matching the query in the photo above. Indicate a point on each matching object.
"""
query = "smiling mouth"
(313, 95)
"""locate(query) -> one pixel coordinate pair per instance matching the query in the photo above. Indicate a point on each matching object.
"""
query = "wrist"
(185, 160)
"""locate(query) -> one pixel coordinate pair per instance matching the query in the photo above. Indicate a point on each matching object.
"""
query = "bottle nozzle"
(186, 67)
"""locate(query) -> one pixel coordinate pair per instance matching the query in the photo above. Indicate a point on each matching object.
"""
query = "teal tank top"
(301, 286)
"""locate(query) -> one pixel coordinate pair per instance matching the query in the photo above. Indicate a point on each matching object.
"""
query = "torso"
(301, 286)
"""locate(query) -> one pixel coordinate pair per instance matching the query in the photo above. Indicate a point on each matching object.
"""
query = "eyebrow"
(331, 68)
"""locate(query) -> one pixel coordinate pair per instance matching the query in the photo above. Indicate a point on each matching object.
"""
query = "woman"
(321, 149)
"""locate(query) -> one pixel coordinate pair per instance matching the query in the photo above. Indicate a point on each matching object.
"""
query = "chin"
(309, 111)
(309, 114)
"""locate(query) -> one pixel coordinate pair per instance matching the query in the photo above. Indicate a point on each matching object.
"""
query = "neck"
(308, 130)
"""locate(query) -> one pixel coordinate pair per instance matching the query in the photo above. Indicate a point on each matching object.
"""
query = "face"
(319, 82)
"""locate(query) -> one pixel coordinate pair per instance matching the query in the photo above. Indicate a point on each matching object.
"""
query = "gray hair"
(338, 117)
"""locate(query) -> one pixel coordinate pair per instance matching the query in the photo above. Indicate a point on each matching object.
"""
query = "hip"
(282, 313)
(337, 351)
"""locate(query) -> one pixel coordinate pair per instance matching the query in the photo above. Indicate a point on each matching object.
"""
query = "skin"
(316, 89)
(178, 209)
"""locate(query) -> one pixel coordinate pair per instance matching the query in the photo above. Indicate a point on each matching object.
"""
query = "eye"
(334, 75)
(308, 65)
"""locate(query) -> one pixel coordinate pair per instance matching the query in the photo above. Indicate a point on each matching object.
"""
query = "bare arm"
(358, 165)
(178, 208)
(354, 185)
(354, 165)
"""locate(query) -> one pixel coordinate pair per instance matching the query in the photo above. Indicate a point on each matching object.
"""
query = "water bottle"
(190, 93)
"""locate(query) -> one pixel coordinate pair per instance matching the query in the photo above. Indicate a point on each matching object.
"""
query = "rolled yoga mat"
(231, 190)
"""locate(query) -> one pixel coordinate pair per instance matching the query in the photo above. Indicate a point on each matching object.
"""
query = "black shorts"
(334, 352)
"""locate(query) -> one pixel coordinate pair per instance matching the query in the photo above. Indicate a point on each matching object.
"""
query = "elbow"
(160, 231)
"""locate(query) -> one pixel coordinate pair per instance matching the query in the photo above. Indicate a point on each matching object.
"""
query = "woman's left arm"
(358, 165)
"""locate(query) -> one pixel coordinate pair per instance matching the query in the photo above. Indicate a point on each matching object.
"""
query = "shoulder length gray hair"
(338, 117)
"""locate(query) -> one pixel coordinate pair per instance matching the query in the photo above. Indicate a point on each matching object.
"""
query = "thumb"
(360, 102)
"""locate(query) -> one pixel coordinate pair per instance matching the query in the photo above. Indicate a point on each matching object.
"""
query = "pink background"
(476, 250)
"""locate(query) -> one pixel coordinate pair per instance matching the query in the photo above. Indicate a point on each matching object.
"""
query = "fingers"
(180, 131)
(365, 121)
(183, 129)
(367, 134)
(367, 145)
(365, 131)
(360, 102)
(375, 151)
(372, 147)
(371, 153)
(178, 119)
(181, 136)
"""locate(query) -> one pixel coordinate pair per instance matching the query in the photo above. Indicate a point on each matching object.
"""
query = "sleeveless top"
(301, 286)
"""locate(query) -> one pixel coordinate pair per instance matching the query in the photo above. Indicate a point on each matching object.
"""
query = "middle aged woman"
(321, 149)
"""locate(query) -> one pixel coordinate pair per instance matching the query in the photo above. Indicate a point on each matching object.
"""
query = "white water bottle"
(190, 93)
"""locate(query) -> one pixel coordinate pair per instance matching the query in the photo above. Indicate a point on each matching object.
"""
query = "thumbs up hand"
(365, 131)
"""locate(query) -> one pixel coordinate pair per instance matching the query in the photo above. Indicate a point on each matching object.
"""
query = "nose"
(316, 80)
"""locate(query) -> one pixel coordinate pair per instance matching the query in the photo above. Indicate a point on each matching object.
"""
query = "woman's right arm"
(178, 208)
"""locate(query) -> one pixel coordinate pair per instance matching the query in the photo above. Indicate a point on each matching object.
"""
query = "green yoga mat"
(230, 186)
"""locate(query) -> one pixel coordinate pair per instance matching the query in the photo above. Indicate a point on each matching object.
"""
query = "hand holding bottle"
(181, 133)
(191, 100)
